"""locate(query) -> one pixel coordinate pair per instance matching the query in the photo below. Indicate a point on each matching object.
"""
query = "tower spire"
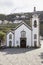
(34, 9)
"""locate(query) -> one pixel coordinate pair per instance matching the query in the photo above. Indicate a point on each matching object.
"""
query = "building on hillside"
(24, 35)
(0, 21)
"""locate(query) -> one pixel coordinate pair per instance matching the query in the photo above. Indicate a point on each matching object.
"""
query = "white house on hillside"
(0, 21)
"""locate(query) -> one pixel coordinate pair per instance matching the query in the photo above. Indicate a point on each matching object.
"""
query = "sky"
(19, 6)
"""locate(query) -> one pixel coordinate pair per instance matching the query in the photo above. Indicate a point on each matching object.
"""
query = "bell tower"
(35, 29)
(34, 9)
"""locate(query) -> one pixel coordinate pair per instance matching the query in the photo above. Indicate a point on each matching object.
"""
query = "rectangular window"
(10, 43)
(35, 43)
(35, 36)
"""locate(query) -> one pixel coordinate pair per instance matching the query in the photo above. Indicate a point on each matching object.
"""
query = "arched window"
(23, 34)
(10, 36)
(35, 23)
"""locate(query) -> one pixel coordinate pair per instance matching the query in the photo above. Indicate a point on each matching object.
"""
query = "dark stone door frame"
(23, 39)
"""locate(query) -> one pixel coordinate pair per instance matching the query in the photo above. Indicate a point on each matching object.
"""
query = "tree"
(2, 37)
(2, 17)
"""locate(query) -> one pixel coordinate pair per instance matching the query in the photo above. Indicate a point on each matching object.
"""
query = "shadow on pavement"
(17, 50)
(41, 56)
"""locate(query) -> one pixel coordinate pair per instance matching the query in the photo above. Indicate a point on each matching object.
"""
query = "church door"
(23, 42)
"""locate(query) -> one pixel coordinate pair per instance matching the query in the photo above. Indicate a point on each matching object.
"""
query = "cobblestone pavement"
(21, 56)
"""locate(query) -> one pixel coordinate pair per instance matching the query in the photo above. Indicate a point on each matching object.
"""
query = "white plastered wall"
(35, 30)
(18, 35)
(10, 39)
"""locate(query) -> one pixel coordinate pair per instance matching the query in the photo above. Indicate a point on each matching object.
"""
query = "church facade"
(24, 35)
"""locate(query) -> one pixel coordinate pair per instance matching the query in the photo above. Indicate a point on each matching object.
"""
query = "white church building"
(24, 35)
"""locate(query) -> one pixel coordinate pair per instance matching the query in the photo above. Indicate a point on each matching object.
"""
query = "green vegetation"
(2, 17)
(11, 17)
(6, 27)
(2, 37)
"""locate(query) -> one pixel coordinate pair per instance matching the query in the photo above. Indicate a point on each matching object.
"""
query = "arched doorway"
(23, 42)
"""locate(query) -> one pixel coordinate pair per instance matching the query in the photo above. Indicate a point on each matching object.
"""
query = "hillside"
(17, 16)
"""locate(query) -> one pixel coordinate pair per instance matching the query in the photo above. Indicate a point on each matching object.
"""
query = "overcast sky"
(13, 6)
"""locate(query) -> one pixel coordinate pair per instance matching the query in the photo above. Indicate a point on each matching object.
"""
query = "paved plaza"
(21, 56)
